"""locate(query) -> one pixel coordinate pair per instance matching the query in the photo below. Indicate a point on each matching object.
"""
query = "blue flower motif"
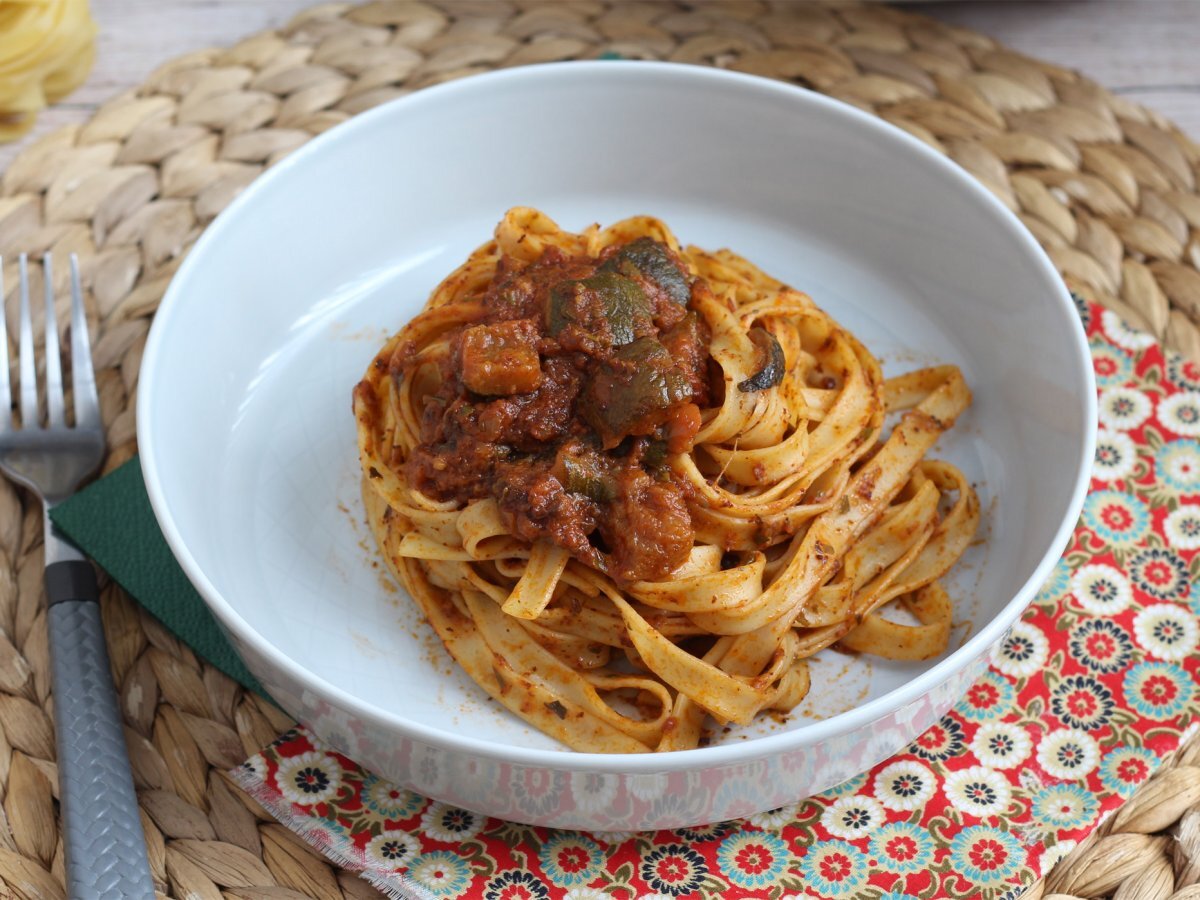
(443, 873)
(1121, 519)
(896, 895)
(531, 886)
(1177, 464)
(1056, 585)
(849, 786)
(673, 869)
(1065, 806)
(1159, 690)
(1124, 768)
(902, 848)
(988, 698)
(570, 859)
(1082, 702)
(1159, 572)
(1113, 365)
(389, 800)
(834, 869)
(1101, 645)
(986, 855)
(753, 859)
(1183, 371)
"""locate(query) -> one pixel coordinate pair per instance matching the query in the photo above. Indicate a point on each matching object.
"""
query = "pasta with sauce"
(636, 486)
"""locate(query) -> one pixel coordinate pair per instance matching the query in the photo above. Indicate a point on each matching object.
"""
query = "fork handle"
(102, 830)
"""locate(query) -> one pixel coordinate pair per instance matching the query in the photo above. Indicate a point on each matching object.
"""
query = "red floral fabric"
(1092, 687)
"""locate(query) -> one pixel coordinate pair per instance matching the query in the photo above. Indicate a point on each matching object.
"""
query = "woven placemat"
(1108, 187)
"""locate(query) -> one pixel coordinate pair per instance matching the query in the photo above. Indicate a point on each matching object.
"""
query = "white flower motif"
(1182, 528)
(1055, 854)
(256, 767)
(393, 848)
(1023, 652)
(1178, 464)
(450, 824)
(977, 791)
(389, 800)
(592, 791)
(1166, 631)
(1181, 413)
(1116, 457)
(648, 785)
(1068, 754)
(904, 786)
(1102, 590)
(585, 893)
(774, 819)
(1123, 409)
(309, 778)
(853, 817)
(1001, 745)
(317, 744)
(1121, 334)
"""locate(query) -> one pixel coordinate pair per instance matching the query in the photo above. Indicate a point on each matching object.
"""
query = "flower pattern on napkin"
(1091, 688)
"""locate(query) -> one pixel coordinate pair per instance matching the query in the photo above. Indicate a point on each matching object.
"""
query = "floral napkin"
(1091, 689)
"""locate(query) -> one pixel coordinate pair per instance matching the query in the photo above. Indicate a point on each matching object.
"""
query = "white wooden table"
(1146, 49)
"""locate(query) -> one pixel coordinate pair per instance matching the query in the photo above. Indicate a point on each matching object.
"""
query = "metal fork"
(102, 832)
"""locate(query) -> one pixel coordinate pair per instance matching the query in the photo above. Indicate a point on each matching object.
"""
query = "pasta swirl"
(46, 52)
(683, 497)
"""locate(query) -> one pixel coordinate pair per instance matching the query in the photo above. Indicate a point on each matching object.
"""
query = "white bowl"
(248, 447)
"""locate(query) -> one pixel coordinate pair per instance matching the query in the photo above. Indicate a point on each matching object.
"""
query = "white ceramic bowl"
(247, 439)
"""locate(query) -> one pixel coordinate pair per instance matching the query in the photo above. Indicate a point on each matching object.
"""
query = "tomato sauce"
(565, 400)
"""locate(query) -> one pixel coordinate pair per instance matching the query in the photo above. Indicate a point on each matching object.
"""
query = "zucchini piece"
(650, 259)
(604, 302)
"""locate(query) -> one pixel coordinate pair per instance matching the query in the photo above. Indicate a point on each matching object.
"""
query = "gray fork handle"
(102, 832)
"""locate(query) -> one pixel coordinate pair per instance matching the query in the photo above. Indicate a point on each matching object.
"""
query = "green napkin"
(112, 522)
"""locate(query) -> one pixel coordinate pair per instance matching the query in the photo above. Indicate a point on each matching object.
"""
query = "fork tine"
(83, 377)
(5, 386)
(28, 378)
(54, 382)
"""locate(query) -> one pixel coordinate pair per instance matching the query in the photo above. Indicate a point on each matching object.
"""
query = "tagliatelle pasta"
(635, 486)
(46, 51)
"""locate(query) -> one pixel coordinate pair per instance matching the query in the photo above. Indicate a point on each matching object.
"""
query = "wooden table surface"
(1148, 50)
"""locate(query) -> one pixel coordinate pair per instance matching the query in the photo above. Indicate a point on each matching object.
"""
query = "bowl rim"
(564, 758)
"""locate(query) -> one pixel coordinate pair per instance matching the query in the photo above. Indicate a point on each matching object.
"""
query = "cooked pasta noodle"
(748, 504)
(46, 52)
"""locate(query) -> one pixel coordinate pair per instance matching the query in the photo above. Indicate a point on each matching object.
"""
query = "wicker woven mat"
(1108, 187)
